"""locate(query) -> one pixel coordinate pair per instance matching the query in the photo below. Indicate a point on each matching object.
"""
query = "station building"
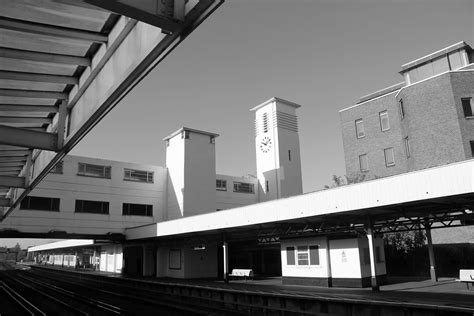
(179, 220)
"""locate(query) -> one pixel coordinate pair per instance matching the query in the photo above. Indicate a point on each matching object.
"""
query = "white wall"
(192, 174)
(111, 258)
(381, 268)
(345, 262)
(230, 199)
(313, 271)
(69, 187)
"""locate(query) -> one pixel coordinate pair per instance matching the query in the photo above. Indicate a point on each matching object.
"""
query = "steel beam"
(61, 129)
(143, 11)
(22, 137)
(33, 94)
(8, 153)
(11, 164)
(5, 202)
(50, 30)
(29, 76)
(13, 158)
(10, 169)
(44, 57)
(29, 108)
(25, 119)
(12, 181)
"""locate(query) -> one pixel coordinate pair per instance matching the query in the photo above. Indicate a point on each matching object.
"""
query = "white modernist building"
(175, 219)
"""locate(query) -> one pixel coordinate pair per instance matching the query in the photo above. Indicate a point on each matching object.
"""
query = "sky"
(321, 54)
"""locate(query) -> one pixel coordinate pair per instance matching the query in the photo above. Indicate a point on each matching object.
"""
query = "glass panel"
(314, 255)
(221, 185)
(243, 187)
(360, 132)
(425, 71)
(364, 162)
(389, 159)
(467, 107)
(440, 65)
(303, 258)
(138, 175)
(290, 256)
(384, 124)
(455, 60)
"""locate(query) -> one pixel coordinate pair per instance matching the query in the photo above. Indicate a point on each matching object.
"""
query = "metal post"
(328, 263)
(433, 275)
(225, 252)
(373, 266)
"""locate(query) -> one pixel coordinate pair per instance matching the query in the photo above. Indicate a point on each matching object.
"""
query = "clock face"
(265, 144)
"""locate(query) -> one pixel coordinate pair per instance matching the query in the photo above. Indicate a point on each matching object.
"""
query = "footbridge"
(65, 64)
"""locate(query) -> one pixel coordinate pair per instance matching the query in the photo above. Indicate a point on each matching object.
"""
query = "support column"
(433, 275)
(373, 266)
(225, 253)
(328, 262)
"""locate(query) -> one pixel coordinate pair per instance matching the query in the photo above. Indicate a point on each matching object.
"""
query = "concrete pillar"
(225, 253)
(433, 275)
(373, 265)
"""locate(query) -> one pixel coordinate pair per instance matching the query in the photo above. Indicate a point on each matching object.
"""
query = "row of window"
(99, 171)
(242, 187)
(384, 124)
(467, 105)
(389, 160)
(302, 255)
(84, 206)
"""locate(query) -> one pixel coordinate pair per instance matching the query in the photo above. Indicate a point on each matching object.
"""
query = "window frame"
(126, 209)
(150, 175)
(407, 147)
(303, 252)
(385, 151)
(401, 109)
(359, 122)
(469, 109)
(367, 162)
(54, 204)
(237, 185)
(86, 174)
(221, 188)
(104, 210)
(384, 113)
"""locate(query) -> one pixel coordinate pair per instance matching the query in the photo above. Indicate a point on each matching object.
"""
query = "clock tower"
(277, 149)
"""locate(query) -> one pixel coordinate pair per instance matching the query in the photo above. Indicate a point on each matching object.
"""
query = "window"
(212, 139)
(95, 207)
(467, 106)
(40, 203)
(290, 256)
(407, 147)
(265, 122)
(88, 170)
(138, 175)
(472, 147)
(303, 255)
(267, 186)
(401, 109)
(360, 132)
(175, 259)
(314, 255)
(58, 168)
(389, 158)
(221, 185)
(364, 163)
(243, 187)
(289, 155)
(384, 123)
(137, 209)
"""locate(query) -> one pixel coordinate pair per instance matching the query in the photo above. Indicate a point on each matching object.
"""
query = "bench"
(467, 276)
(242, 273)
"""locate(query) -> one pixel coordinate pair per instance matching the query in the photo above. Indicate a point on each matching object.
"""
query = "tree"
(338, 181)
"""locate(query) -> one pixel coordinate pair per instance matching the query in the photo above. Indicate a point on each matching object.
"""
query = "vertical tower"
(191, 164)
(277, 149)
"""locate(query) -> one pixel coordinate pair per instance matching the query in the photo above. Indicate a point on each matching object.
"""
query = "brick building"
(427, 120)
